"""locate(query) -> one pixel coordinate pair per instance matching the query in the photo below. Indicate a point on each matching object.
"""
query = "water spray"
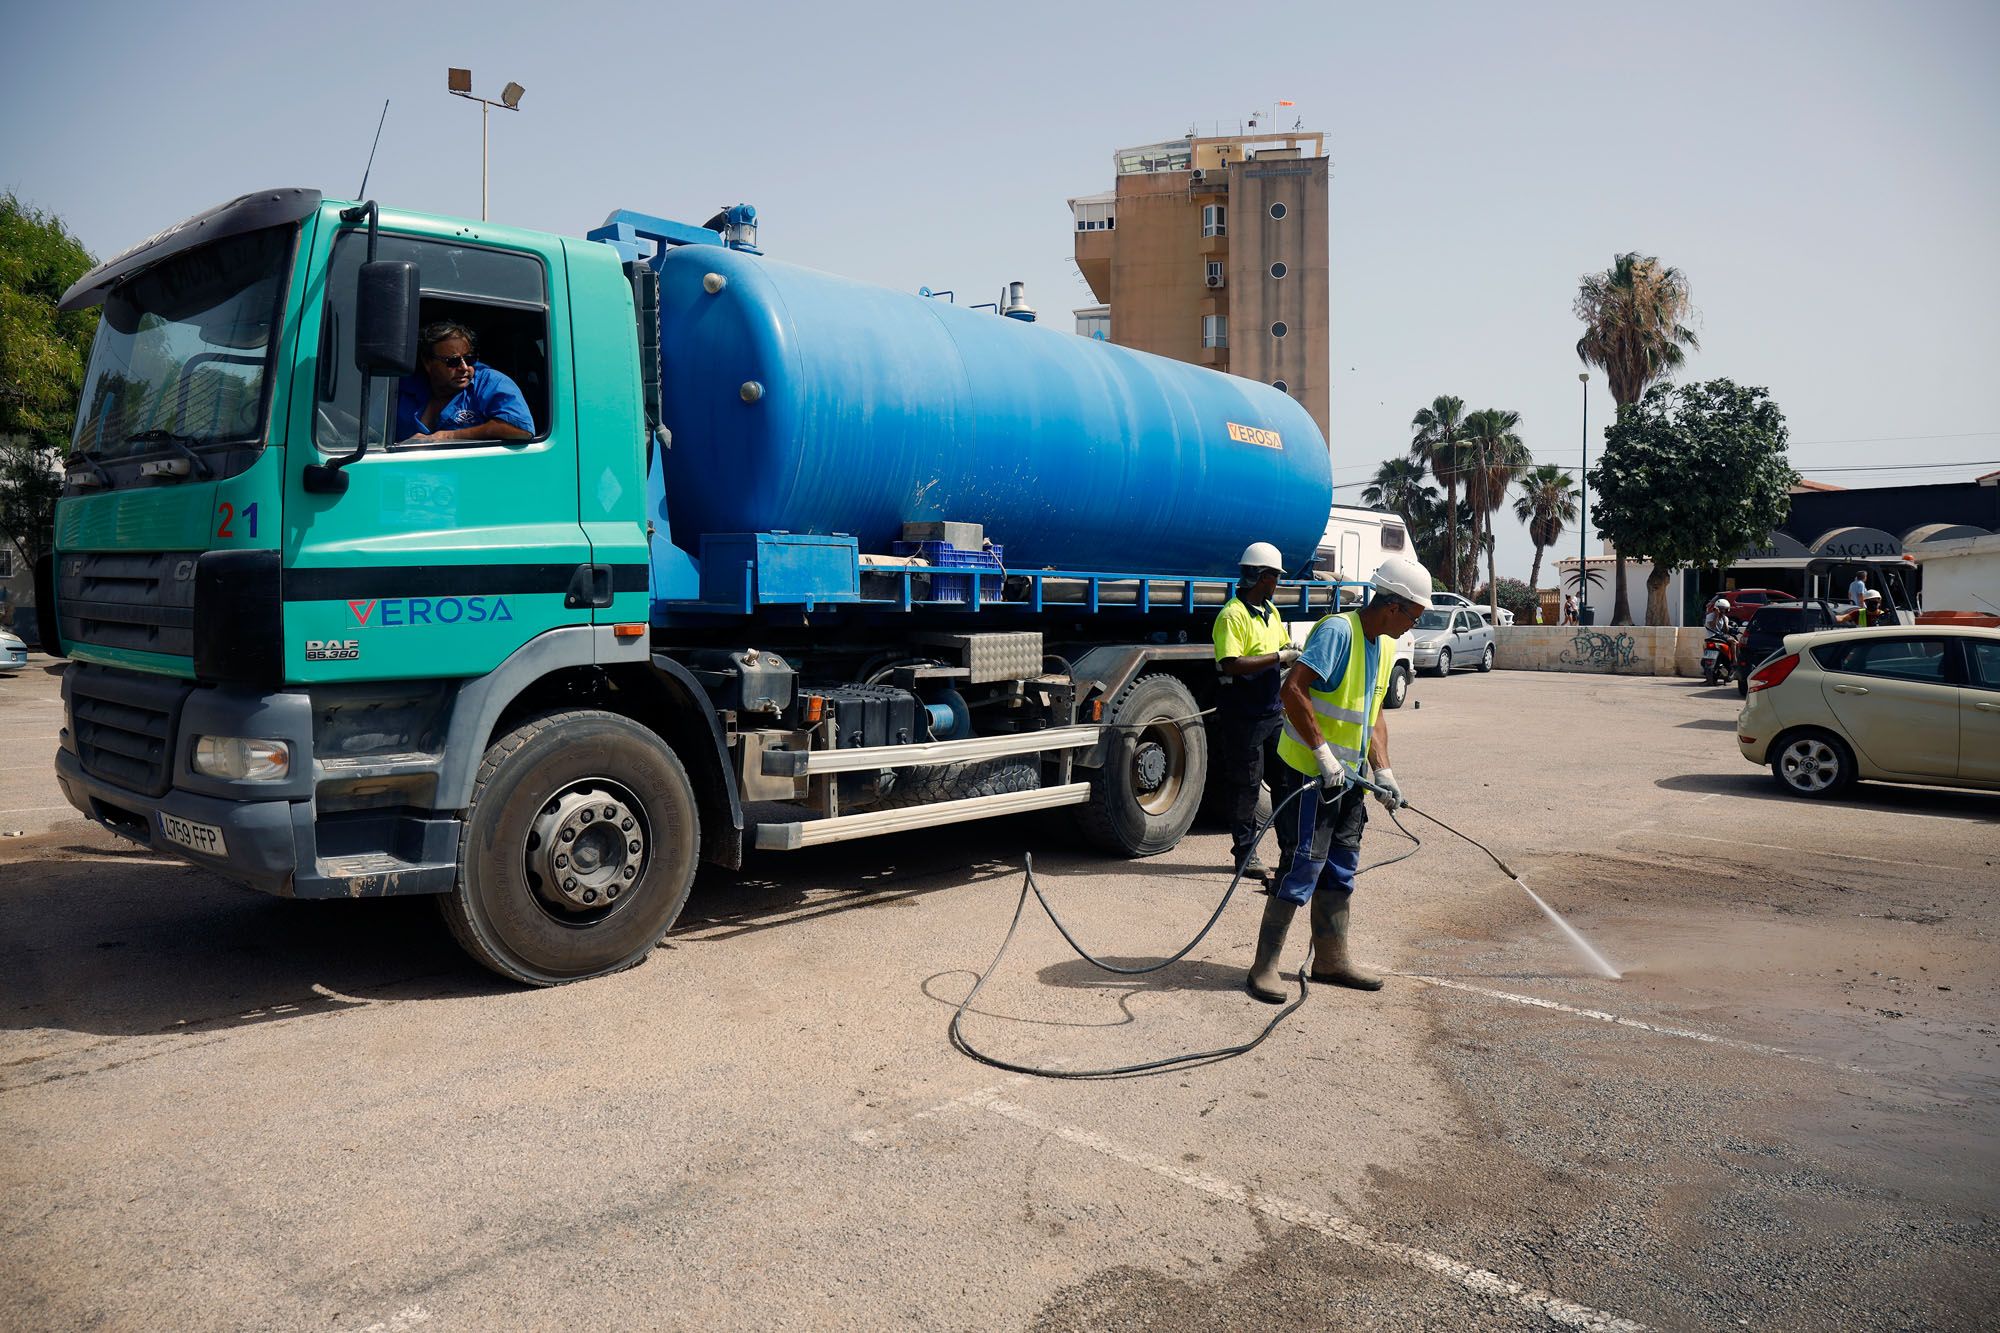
(1029, 885)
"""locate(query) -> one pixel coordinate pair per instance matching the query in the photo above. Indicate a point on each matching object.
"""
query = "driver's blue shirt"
(491, 396)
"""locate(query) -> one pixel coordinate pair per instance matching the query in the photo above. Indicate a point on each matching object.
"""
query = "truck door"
(443, 556)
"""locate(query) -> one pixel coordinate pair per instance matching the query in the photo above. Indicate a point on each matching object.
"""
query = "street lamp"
(1583, 513)
(458, 82)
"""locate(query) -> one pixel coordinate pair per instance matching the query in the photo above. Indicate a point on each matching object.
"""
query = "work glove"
(1332, 773)
(1286, 656)
(1391, 796)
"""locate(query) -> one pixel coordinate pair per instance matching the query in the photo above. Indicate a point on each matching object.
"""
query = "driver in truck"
(454, 396)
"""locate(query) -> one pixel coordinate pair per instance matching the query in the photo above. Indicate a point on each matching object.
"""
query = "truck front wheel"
(578, 849)
(1155, 767)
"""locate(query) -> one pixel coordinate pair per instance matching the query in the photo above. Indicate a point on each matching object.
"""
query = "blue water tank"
(802, 402)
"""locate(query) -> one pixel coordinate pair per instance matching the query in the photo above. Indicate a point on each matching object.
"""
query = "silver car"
(1449, 638)
(13, 652)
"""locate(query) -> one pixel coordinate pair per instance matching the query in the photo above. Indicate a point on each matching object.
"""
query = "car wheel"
(1486, 659)
(1444, 661)
(1812, 763)
(1399, 687)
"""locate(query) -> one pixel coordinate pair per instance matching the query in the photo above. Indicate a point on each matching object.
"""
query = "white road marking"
(1598, 1015)
(866, 1137)
(1480, 1281)
(1803, 851)
(402, 1319)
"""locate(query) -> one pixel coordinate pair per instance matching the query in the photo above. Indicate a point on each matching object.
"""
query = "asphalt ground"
(222, 1110)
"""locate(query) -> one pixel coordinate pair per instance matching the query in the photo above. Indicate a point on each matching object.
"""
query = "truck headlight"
(242, 760)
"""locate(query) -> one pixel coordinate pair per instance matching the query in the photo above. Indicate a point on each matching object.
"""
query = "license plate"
(1708, 656)
(204, 838)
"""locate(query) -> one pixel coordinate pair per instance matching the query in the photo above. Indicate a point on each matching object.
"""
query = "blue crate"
(958, 587)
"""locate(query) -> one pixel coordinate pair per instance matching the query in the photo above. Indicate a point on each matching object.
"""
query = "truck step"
(792, 763)
(842, 828)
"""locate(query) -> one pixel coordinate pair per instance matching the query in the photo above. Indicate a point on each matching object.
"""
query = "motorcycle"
(1720, 657)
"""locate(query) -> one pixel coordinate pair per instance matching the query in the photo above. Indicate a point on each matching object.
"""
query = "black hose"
(1186, 1059)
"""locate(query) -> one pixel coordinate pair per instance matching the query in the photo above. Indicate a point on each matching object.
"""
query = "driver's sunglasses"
(453, 361)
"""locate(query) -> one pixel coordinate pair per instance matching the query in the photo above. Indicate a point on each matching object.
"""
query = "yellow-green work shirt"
(1241, 632)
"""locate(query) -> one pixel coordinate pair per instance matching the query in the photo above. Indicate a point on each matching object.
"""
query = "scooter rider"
(1718, 617)
(1333, 716)
(1252, 649)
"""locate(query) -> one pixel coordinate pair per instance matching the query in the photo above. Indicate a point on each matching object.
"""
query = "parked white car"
(1452, 599)
(13, 652)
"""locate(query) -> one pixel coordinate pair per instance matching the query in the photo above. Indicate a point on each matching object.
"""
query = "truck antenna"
(363, 192)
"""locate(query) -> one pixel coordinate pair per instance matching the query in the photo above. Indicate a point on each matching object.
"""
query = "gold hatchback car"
(1896, 703)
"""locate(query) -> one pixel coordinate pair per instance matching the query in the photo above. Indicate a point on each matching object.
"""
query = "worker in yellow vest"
(1253, 646)
(1333, 722)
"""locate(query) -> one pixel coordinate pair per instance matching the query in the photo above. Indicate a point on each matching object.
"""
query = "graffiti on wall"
(1597, 651)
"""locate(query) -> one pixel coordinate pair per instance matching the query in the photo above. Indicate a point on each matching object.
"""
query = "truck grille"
(120, 599)
(124, 724)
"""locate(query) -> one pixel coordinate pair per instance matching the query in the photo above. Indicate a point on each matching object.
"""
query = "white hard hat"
(1403, 577)
(1722, 603)
(1872, 595)
(1262, 555)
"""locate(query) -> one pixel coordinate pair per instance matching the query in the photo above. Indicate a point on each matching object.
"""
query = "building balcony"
(1213, 245)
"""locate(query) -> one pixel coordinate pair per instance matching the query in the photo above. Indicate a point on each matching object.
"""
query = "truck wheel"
(1155, 769)
(1399, 687)
(578, 850)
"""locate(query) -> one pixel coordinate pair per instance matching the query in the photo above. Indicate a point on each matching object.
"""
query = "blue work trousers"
(1319, 836)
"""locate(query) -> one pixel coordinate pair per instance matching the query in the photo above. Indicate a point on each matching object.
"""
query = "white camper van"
(1356, 542)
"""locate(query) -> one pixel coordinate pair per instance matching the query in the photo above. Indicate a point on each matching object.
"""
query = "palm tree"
(1438, 444)
(1497, 458)
(1546, 503)
(1633, 317)
(1399, 485)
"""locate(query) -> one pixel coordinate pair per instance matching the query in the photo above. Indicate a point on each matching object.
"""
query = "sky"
(1823, 173)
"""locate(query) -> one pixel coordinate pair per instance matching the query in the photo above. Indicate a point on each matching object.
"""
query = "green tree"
(1516, 596)
(1400, 486)
(1634, 317)
(1690, 476)
(1438, 443)
(1546, 504)
(43, 352)
(1497, 458)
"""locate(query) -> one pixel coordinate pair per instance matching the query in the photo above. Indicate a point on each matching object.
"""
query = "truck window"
(501, 296)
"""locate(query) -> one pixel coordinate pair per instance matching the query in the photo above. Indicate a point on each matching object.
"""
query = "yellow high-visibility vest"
(1346, 713)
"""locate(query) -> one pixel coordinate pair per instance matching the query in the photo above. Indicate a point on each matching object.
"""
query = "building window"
(1278, 270)
(1096, 326)
(1215, 330)
(1212, 220)
(1212, 272)
(1095, 216)
(1277, 210)
(1280, 386)
(1278, 330)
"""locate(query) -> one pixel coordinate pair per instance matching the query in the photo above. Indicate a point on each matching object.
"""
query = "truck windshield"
(183, 353)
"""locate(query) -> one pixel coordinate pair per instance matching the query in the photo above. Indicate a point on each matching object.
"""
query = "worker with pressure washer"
(1253, 648)
(1332, 698)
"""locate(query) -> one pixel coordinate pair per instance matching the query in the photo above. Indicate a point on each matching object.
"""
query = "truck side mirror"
(385, 317)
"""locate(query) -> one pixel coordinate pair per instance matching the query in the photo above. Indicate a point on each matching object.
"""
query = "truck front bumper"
(264, 842)
(126, 761)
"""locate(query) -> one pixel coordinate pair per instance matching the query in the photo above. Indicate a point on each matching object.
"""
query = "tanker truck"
(786, 560)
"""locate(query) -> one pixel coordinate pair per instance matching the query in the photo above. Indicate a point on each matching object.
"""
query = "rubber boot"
(1265, 982)
(1331, 966)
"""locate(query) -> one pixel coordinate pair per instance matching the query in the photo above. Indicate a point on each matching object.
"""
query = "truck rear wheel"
(1155, 768)
(578, 850)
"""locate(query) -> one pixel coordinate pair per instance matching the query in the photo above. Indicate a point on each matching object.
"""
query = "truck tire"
(1399, 686)
(578, 849)
(958, 782)
(1155, 769)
